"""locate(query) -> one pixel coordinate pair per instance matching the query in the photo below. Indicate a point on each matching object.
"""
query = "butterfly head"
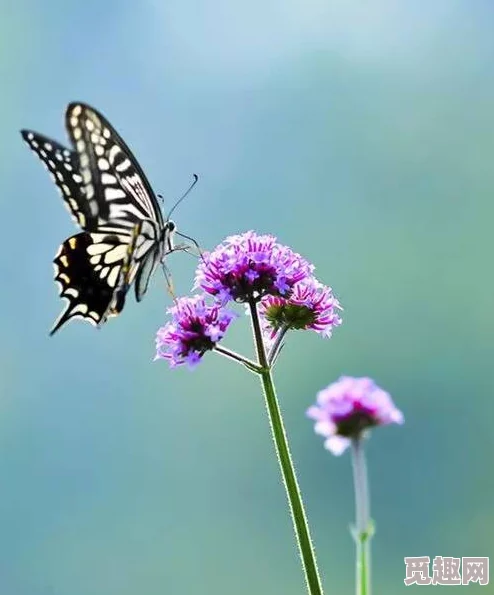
(167, 235)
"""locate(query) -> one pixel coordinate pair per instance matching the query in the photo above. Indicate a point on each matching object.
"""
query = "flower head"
(311, 305)
(250, 266)
(346, 408)
(194, 329)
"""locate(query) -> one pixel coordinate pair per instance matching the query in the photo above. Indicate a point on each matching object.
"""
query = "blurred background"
(360, 134)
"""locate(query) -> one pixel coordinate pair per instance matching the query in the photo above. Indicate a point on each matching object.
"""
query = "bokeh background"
(362, 135)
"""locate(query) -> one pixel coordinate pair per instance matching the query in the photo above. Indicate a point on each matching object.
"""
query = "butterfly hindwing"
(88, 268)
(147, 254)
(144, 253)
(63, 166)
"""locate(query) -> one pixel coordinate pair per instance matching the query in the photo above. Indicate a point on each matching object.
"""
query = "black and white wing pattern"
(109, 170)
(124, 235)
(127, 203)
(88, 267)
(63, 166)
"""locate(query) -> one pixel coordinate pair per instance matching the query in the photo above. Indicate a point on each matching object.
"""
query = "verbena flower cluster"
(348, 407)
(195, 328)
(311, 305)
(253, 269)
(250, 266)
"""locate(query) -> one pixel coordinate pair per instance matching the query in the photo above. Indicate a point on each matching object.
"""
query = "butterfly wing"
(147, 254)
(108, 194)
(88, 268)
(109, 170)
(144, 253)
(63, 166)
(126, 199)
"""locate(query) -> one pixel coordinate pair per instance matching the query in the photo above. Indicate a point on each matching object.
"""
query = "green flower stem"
(238, 358)
(299, 519)
(363, 528)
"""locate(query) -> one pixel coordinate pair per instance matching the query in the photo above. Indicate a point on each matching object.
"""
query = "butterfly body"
(124, 236)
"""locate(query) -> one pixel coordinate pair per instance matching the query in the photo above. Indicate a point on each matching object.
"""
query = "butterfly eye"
(171, 226)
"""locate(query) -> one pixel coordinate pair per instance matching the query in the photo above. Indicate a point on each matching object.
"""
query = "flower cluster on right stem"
(346, 409)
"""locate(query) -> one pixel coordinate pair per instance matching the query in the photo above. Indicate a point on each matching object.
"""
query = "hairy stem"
(306, 550)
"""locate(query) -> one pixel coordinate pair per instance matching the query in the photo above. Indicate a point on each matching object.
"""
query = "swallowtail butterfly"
(124, 236)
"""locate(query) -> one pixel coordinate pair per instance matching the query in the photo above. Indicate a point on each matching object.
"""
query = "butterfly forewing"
(109, 170)
(63, 166)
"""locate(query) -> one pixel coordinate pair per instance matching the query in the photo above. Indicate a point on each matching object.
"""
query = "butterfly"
(124, 236)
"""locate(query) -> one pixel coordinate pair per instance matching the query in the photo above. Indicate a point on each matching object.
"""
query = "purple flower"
(346, 408)
(250, 266)
(311, 305)
(194, 329)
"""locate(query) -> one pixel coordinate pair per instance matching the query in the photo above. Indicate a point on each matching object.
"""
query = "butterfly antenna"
(183, 195)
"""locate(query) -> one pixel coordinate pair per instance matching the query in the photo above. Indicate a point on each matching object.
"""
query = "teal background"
(362, 135)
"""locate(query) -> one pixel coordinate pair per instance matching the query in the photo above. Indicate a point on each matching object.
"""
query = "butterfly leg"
(169, 281)
(194, 242)
(183, 248)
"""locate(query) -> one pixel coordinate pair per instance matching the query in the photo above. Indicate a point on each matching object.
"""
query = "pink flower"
(250, 266)
(311, 305)
(346, 408)
(195, 328)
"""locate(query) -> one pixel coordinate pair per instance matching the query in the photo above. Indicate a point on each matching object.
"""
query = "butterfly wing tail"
(87, 270)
